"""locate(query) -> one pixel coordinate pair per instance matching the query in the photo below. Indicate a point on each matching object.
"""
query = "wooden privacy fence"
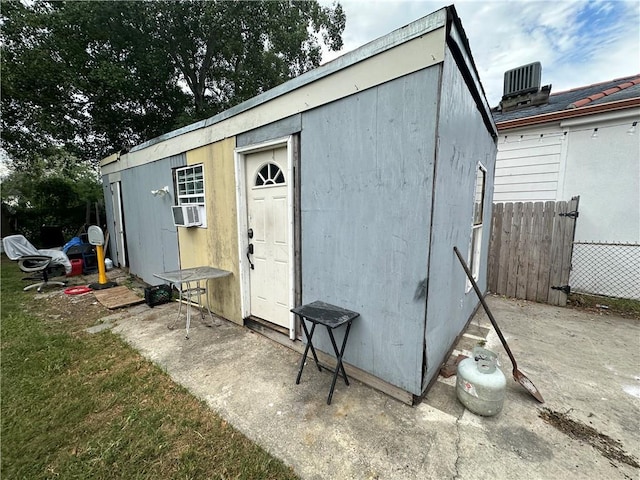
(530, 250)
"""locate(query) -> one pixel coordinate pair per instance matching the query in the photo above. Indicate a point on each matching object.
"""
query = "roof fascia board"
(114, 157)
(629, 113)
(572, 113)
(459, 46)
(419, 53)
(413, 30)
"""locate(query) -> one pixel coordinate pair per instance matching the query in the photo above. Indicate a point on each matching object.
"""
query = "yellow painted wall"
(217, 244)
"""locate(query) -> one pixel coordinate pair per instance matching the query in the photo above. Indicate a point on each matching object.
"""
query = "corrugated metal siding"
(463, 141)
(366, 178)
(152, 241)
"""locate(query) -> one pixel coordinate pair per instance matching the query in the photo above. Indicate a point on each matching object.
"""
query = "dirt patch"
(75, 311)
(605, 305)
(607, 446)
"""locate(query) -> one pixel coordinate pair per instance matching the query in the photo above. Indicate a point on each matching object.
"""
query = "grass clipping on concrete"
(607, 446)
(76, 405)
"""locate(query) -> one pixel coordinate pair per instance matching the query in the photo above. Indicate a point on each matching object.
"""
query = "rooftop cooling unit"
(186, 216)
(522, 80)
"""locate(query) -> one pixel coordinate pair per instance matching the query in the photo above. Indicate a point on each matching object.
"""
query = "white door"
(268, 223)
(118, 224)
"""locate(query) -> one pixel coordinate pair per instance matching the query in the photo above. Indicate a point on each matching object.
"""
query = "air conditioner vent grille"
(186, 215)
(522, 80)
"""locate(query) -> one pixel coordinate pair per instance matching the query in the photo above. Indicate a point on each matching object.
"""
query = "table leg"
(173, 324)
(313, 350)
(199, 300)
(204, 290)
(344, 344)
(306, 350)
(198, 288)
(188, 307)
(339, 365)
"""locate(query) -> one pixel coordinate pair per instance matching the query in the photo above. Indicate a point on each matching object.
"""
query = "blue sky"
(578, 42)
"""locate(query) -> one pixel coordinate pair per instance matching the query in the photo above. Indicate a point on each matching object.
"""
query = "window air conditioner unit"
(186, 216)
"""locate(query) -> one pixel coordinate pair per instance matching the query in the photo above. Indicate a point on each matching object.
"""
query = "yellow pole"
(102, 275)
(97, 239)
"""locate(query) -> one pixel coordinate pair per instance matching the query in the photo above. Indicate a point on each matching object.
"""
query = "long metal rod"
(486, 307)
(518, 376)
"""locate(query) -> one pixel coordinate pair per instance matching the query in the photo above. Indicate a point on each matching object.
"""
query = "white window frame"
(195, 195)
(477, 222)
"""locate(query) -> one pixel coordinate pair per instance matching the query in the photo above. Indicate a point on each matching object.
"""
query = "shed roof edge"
(415, 29)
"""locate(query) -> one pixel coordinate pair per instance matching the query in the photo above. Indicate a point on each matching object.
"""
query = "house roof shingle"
(595, 94)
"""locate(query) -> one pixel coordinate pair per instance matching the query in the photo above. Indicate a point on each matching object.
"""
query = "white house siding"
(603, 170)
(528, 165)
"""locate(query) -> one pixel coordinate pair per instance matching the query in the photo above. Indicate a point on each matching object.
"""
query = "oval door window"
(270, 174)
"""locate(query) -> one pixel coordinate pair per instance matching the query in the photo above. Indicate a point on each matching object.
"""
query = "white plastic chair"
(35, 262)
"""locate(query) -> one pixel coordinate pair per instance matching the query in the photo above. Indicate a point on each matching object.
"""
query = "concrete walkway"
(587, 367)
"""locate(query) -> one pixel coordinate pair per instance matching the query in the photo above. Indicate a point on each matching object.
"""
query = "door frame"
(115, 187)
(240, 154)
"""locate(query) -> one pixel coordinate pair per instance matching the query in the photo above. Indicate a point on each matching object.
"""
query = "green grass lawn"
(80, 406)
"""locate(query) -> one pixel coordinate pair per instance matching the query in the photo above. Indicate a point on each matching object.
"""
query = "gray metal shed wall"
(152, 239)
(281, 128)
(366, 176)
(463, 141)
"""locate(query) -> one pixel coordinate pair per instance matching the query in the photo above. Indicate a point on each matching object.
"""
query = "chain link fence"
(611, 269)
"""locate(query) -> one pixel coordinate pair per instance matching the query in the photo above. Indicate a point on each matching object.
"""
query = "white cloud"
(578, 42)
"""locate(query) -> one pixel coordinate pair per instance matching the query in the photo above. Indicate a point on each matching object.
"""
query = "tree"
(81, 76)
(58, 190)
(96, 77)
(227, 52)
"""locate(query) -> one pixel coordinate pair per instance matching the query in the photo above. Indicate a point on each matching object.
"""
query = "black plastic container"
(157, 295)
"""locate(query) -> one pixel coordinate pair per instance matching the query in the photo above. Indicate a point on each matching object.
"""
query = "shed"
(356, 179)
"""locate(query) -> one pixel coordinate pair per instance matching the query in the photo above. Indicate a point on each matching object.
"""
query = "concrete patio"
(585, 365)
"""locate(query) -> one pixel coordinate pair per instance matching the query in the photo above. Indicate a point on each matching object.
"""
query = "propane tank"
(481, 385)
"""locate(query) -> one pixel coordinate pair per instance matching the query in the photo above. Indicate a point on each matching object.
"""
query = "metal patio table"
(189, 281)
(331, 317)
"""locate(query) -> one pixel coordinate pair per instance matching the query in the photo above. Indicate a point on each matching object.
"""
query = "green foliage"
(57, 190)
(96, 77)
(227, 52)
(82, 75)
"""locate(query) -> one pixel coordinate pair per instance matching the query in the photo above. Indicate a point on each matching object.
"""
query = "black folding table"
(331, 317)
